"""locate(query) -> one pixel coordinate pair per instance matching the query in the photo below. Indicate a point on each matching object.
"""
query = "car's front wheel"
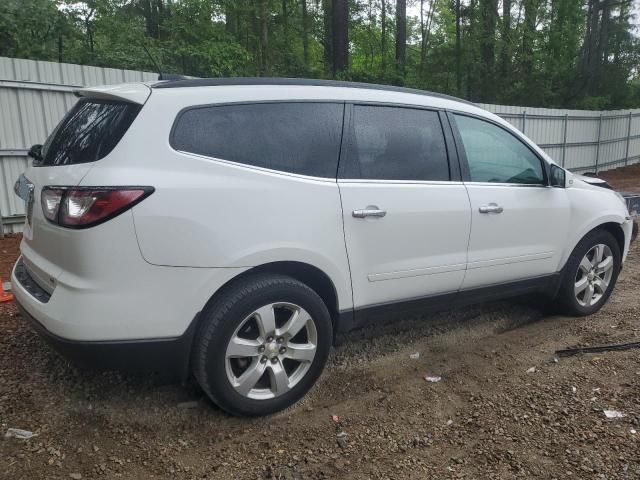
(590, 273)
(262, 344)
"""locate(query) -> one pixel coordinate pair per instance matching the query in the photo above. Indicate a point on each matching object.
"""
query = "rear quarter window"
(302, 138)
(88, 132)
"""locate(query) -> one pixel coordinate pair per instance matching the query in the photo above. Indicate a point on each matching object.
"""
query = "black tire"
(566, 296)
(225, 314)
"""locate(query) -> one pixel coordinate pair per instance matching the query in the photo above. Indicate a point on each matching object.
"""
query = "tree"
(340, 35)
(401, 38)
(557, 53)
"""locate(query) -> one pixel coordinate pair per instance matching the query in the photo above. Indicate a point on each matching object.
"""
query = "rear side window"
(394, 143)
(302, 138)
(89, 132)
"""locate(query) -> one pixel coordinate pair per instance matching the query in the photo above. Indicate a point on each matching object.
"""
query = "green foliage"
(535, 54)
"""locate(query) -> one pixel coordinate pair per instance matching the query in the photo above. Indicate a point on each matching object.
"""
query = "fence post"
(524, 121)
(598, 146)
(564, 140)
(626, 155)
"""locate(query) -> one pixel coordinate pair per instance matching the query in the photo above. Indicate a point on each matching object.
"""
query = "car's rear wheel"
(590, 274)
(262, 344)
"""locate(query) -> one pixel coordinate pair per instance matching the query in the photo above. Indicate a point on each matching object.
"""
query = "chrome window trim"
(400, 182)
(231, 163)
(504, 184)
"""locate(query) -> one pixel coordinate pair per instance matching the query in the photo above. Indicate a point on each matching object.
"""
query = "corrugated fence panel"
(34, 96)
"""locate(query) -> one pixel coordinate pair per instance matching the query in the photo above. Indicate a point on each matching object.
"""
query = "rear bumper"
(167, 355)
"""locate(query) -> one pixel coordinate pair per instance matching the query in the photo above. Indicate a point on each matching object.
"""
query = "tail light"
(84, 207)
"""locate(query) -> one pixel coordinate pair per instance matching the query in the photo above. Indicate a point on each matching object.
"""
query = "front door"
(406, 221)
(519, 223)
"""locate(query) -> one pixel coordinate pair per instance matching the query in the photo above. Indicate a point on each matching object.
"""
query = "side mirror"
(557, 177)
(35, 152)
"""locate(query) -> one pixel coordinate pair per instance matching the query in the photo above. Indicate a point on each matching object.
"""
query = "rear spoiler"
(129, 92)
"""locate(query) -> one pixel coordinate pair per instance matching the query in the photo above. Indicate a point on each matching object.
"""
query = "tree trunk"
(401, 37)
(530, 17)
(458, 48)
(305, 34)
(60, 47)
(488, 21)
(340, 27)
(230, 16)
(505, 52)
(383, 36)
(285, 22)
(262, 14)
(327, 39)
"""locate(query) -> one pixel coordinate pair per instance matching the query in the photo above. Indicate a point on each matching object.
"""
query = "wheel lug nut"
(280, 340)
(282, 350)
(274, 360)
(261, 349)
(263, 359)
(269, 339)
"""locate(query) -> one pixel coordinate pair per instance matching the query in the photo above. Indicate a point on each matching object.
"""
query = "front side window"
(495, 155)
(302, 138)
(394, 143)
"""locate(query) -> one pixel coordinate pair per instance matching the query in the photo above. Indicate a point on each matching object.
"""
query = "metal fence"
(35, 95)
(579, 140)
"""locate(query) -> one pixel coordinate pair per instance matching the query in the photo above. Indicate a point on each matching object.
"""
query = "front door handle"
(370, 211)
(491, 208)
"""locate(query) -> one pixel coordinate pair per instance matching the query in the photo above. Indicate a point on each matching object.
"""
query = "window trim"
(347, 137)
(462, 154)
(186, 109)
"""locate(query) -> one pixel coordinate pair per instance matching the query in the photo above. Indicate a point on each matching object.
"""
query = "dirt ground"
(503, 409)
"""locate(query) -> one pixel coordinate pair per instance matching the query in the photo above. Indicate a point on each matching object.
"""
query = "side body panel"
(419, 248)
(210, 213)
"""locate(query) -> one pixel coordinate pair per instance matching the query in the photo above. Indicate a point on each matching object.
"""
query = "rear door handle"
(491, 208)
(370, 211)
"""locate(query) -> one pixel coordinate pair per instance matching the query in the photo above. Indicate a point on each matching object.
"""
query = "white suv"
(230, 227)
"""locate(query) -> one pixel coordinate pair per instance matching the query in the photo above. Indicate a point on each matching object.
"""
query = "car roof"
(257, 81)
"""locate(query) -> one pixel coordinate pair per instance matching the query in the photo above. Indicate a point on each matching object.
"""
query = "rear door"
(519, 223)
(406, 212)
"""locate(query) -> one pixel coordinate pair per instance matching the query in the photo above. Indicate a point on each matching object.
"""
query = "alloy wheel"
(594, 275)
(271, 351)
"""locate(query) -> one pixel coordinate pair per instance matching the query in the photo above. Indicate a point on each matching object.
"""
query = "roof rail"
(217, 82)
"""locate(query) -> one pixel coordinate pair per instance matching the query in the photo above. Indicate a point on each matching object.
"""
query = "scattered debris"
(342, 439)
(600, 348)
(335, 418)
(432, 378)
(188, 405)
(19, 433)
(633, 431)
(555, 359)
(449, 422)
(613, 414)
(574, 389)
(414, 356)
(532, 370)
(76, 476)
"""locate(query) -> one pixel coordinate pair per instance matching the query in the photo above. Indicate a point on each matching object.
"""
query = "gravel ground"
(503, 409)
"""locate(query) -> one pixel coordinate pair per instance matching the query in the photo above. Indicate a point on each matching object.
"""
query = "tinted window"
(495, 155)
(299, 138)
(390, 143)
(88, 132)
